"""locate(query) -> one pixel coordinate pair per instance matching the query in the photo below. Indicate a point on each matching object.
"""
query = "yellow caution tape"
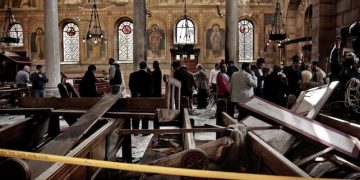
(137, 167)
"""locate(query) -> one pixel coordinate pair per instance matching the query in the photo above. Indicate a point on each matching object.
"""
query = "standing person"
(223, 88)
(38, 80)
(318, 75)
(23, 78)
(157, 75)
(185, 78)
(242, 84)
(114, 77)
(87, 85)
(275, 87)
(293, 74)
(212, 78)
(201, 80)
(231, 68)
(141, 84)
(258, 70)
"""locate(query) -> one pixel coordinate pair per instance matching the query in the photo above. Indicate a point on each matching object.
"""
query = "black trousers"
(135, 123)
(202, 98)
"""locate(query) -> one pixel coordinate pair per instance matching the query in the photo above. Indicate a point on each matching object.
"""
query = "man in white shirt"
(212, 77)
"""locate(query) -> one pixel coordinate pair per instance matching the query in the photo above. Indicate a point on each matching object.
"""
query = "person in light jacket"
(242, 84)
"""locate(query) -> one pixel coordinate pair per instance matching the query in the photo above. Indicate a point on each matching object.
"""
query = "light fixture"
(9, 34)
(278, 30)
(94, 35)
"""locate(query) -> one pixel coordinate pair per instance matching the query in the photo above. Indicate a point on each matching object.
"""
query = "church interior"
(310, 133)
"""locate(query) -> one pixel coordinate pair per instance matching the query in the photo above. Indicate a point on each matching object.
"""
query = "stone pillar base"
(52, 91)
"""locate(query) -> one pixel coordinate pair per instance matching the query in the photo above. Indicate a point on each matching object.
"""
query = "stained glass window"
(185, 32)
(16, 31)
(246, 41)
(125, 40)
(71, 45)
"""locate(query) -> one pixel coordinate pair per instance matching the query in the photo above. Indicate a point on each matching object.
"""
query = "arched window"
(16, 31)
(71, 44)
(125, 40)
(246, 41)
(185, 32)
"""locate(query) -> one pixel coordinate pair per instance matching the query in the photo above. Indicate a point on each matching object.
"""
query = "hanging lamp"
(9, 34)
(278, 30)
(94, 35)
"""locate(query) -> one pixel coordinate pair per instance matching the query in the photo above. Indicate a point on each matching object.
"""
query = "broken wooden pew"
(30, 132)
(71, 137)
(303, 126)
(273, 159)
(102, 144)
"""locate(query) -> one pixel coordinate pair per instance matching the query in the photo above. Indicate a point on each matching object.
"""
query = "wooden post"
(126, 147)
(220, 107)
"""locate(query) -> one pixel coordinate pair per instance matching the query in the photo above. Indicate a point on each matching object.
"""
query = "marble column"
(139, 33)
(232, 32)
(52, 50)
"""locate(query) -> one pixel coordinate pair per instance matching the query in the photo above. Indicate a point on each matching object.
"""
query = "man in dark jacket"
(87, 85)
(141, 84)
(38, 80)
(257, 69)
(157, 77)
(186, 79)
(293, 75)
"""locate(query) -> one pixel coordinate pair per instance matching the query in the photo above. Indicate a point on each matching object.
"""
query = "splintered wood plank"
(303, 126)
(273, 159)
(211, 149)
(277, 138)
(189, 140)
(122, 115)
(64, 142)
(169, 131)
(342, 125)
(166, 115)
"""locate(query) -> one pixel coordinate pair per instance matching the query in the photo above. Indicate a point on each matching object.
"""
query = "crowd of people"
(280, 85)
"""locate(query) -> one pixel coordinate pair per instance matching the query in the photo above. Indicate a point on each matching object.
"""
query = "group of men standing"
(37, 78)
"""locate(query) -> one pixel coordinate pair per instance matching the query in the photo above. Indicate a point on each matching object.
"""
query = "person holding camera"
(38, 80)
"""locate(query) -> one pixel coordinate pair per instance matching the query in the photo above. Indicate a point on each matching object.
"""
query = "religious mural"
(37, 44)
(17, 3)
(155, 40)
(215, 41)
